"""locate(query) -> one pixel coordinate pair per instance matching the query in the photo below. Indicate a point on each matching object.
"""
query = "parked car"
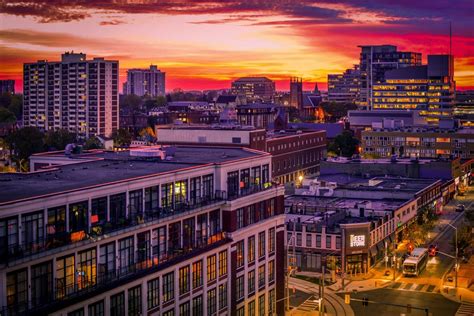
(459, 208)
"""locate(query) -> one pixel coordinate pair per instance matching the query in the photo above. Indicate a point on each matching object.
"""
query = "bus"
(416, 262)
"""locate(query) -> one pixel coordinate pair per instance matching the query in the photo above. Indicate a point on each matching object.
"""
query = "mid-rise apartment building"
(429, 89)
(7, 86)
(419, 142)
(255, 89)
(345, 87)
(156, 231)
(141, 82)
(374, 62)
(75, 94)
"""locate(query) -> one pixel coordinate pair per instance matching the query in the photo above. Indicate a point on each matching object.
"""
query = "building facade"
(429, 89)
(418, 142)
(296, 92)
(149, 82)
(345, 87)
(200, 233)
(254, 89)
(374, 62)
(75, 94)
(7, 86)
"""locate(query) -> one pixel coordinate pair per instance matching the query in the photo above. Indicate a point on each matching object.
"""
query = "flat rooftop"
(101, 168)
(337, 203)
(403, 161)
(206, 127)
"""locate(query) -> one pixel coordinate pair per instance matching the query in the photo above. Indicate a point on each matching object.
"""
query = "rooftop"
(209, 127)
(102, 167)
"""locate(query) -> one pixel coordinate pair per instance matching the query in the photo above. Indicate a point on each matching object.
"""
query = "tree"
(464, 239)
(6, 116)
(16, 105)
(58, 139)
(334, 111)
(344, 144)
(122, 137)
(23, 143)
(93, 143)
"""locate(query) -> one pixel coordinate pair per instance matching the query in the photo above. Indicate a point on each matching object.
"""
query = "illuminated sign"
(357, 240)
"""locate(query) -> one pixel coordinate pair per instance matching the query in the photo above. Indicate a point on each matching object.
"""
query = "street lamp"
(456, 259)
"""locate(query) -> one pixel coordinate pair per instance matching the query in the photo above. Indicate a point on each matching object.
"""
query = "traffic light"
(347, 298)
(365, 301)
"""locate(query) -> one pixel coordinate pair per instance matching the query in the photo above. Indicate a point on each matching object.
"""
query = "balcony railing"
(85, 286)
(56, 240)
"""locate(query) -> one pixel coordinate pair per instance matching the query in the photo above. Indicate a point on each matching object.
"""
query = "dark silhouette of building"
(7, 86)
(296, 92)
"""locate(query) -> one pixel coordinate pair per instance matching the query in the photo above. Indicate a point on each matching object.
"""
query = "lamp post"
(455, 259)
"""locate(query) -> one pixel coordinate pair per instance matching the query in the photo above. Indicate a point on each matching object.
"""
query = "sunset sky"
(206, 44)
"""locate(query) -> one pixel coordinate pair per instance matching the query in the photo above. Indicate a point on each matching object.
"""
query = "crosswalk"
(402, 286)
(311, 304)
(466, 309)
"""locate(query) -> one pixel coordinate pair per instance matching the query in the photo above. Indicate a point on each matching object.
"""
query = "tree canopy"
(24, 142)
(7, 116)
(122, 137)
(344, 144)
(57, 140)
(335, 111)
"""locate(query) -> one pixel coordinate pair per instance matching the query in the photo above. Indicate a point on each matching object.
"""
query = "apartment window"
(152, 198)
(174, 237)
(135, 301)
(222, 296)
(261, 244)
(33, 230)
(117, 208)
(41, 283)
(201, 231)
(184, 309)
(197, 274)
(261, 305)
(107, 261)
(57, 219)
(8, 236)
(168, 287)
(126, 252)
(318, 241)
(211, 302)
(78, 216)
(143, 248)
(255, 177)
(240, 218)
(240, 253)
(169, 312)
(153, 293)
(197, 306)
(328, 242)
(17, 290)
(159, 243)
(309, 239)
(261, 276)
(338, 242)
(195, 190)
(214, 224)
(239, 284)
(244, 179)
(117, 304)
(271, 302)
(98, 211)
(184, 280)
(236, 140)
(211, 268)
(167, 195)
(208, 186)
(271, 271)
(188, 233)
(271, 240)
(96, 309)
(86, 269)
(233, 184)
(135, 206)
(266, 176)
(65, 276)
(222, 263)
(77, 312)
(251, 249)
(240, 312)
(251, 308)
(299, 239)
(251, 281)
(180, 192)
(251, 214)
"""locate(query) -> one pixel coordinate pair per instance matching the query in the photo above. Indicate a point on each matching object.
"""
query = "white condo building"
(142, 82)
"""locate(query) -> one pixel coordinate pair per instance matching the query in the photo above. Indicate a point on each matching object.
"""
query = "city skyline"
(206, 45)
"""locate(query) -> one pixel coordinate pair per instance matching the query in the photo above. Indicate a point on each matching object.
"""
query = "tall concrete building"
(296, 92)
(429, 88)
(7, 86)
(374, 62)
(345, 87)
(150, 82)
(75, 94)
(255, 89)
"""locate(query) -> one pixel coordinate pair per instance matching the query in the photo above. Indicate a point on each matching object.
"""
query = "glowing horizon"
(206, 45)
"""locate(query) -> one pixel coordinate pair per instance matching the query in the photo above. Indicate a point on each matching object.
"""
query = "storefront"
(356, 238)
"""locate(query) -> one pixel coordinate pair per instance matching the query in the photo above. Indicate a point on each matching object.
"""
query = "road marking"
(414, 287)
(311, 304)
(466, 309)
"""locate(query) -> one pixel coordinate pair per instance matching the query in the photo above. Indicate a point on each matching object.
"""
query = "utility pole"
(456, 258)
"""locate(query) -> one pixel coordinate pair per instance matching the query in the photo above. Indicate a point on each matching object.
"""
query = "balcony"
(141, 264)
(57, 237)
